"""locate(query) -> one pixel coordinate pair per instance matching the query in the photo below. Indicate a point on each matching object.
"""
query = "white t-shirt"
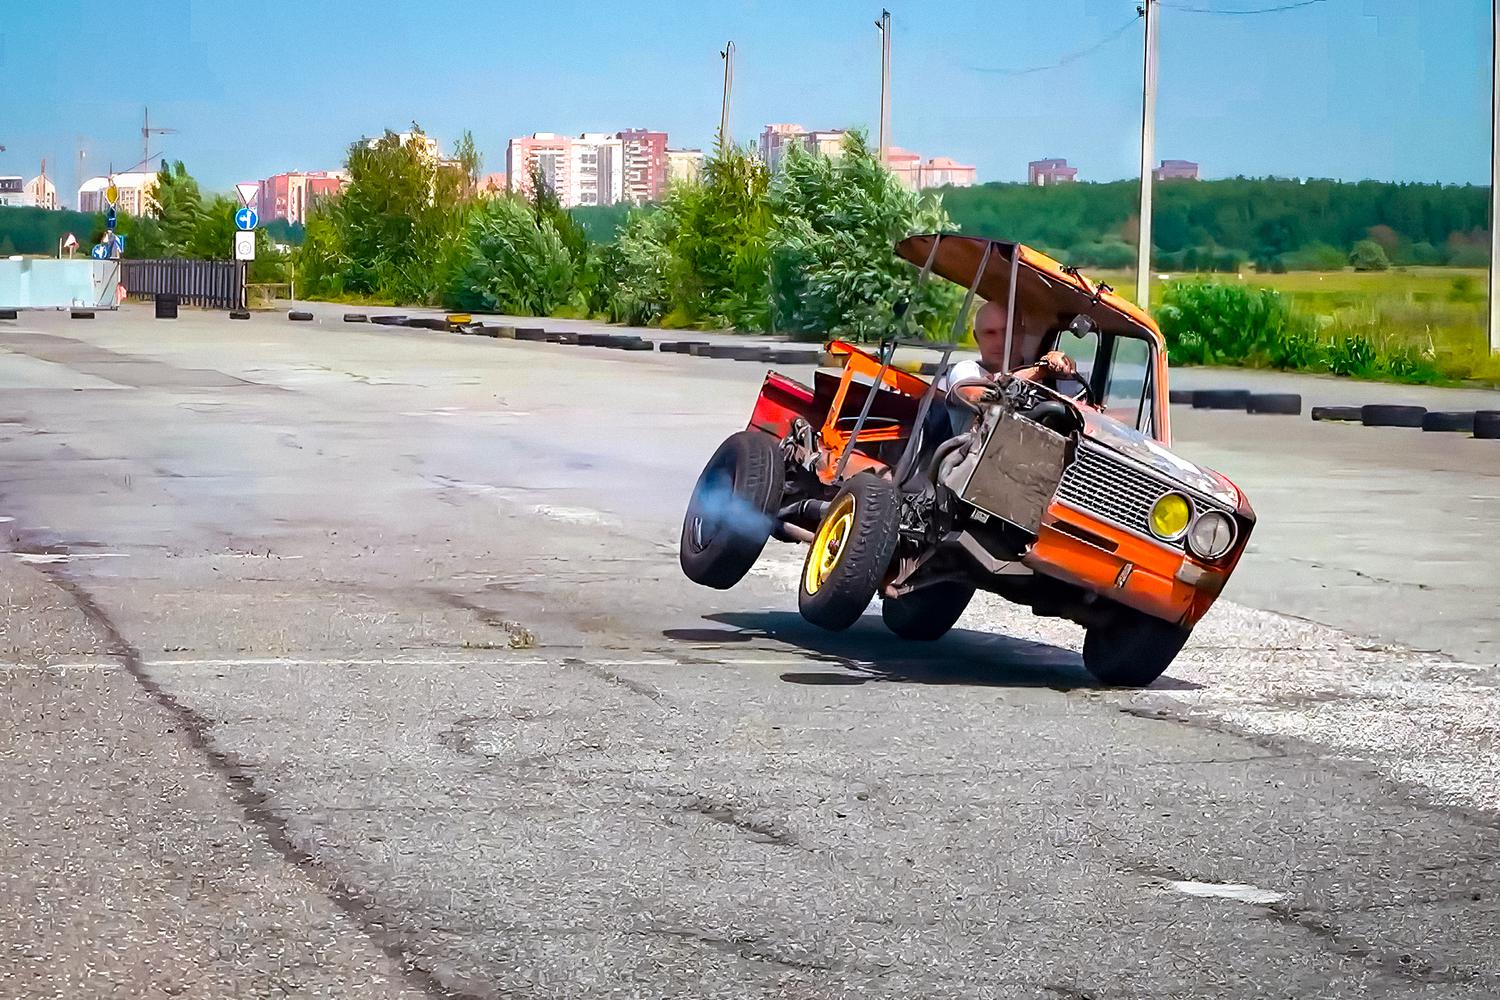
(962, 372)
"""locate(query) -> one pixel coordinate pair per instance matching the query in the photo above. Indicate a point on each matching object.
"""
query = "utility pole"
(1150, 9)
(884, 24)
(728, 55)
(146, 133)
(1495, 182)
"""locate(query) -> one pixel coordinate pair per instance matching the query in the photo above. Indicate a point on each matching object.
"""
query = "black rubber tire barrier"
(1289, 403)
(81, 314)
(701, 350)
(722, 350)
(1181, 397)
(593, 339)
(1448, 420)
(9, 314)
(792, 357)
(533, 333)
(1386, 415)
(1336, 413)
(239, 314)
(686, 346)
(1221, 399)
(639, 345)
(757, 354)
(559, 337)
(619, 341)
(389, 320)
(356, 318)
(299, 316)
(430, 323)
(1487, 424)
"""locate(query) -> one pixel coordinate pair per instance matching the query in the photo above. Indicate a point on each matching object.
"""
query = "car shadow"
(868, 652)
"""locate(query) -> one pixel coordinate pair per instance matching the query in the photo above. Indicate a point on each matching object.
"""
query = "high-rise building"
(545, 151)
(1044, 173)
(942, 171)
(430, 147)
(41, 192)
(597, 171)
(644, 165)
(684, 165)
(134, 193)
(291, 195)
(13, 192)
(774, 140)
(1179, 170)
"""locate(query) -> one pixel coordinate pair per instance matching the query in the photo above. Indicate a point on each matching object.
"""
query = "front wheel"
(850, 553)
(1132, 649)
(731, 513)
(927, 614)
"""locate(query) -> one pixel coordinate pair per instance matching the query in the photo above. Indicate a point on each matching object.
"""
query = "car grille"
(1098, 483)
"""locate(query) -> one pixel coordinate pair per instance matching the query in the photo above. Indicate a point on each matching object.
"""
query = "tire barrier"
(1288, 403)
(166, 307)
(792, 357)
(299, 316)
(389, 320)
(1385, 415)
(1180, 397)
(81, 314)
(239, 314)
(593, 339)
(1448, 420)
(9, 314)
(1221, 399)
(356, 318)
(531, 333)
(1487, 424)
(1336, 413)
(429, 323)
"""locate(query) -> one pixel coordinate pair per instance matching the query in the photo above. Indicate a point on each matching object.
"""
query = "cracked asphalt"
(341, 661)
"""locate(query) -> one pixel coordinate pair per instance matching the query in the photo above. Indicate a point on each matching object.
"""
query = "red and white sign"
(248, 192)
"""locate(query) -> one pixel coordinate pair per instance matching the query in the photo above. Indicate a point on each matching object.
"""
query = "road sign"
(109, 218)
(247, 192)
(119, 245)
(71, 242)
(245, 219)
(244, 245)
(111, 194)
(99, 252)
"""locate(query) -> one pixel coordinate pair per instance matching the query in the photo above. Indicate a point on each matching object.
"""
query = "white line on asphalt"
(291, 661)
(18, 667)
(1238, 891)
(62, 557)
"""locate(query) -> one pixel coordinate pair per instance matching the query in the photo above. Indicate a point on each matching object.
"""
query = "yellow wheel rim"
(828, 544)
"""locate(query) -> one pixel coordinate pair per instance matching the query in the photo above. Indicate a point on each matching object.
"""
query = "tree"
(1368, 255)
(177, 204)
(510, 262)
(833, 271)
(470, 164)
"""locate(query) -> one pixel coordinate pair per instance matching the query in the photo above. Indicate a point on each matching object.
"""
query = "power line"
(1071, 57)
(1240, 13)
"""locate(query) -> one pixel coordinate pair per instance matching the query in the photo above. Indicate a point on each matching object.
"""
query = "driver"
(989, 335)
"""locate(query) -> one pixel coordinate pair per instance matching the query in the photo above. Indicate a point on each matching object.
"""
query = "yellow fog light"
(1170, 516)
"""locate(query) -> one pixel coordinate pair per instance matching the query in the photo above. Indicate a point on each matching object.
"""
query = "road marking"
(573, 515)
(1237, 891)
(47, 558)
(293, 661)
(21, 667)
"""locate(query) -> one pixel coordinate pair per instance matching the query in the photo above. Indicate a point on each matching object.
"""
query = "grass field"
(1440, 311)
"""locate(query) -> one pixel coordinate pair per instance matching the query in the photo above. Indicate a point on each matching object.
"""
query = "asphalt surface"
(351, 661)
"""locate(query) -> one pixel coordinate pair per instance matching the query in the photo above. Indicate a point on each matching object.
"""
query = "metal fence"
(208, 283)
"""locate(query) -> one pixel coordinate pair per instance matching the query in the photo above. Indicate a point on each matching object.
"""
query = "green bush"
(1352, 354)
(510, 262)
(1211, 323)
(1368, 255)
(1315, 257)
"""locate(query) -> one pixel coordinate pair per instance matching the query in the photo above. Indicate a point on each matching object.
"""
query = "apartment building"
(684, 165)
(291, 195)
(134, 193)
(644, 165)
(1044, 173)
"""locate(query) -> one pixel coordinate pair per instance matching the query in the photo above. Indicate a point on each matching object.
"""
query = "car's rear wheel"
(928, 613)
(1132, 649)
(731, 513)
(850, 552)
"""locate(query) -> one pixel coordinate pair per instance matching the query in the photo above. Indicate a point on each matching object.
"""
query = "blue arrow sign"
(99, 252)
(109, 218)
(245, 219)
(119, 245)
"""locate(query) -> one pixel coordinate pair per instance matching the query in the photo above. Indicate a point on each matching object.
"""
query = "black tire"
(531, 333)
(1181, 397)
(850, 552)
(729, 516)
(1289, 403)
(356, 318)
(1487, 424)
(927, 614)
(1448, 420)
(299, 316)
(1132, 649)
(239, 314)
(1336, 413)
(1221, 399)
(1382, 415)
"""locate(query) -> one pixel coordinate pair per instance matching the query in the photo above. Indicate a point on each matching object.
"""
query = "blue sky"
(1389, 89)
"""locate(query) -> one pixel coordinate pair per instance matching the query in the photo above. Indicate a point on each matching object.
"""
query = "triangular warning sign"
(248, 192)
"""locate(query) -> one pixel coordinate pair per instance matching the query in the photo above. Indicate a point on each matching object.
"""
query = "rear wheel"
(729, 517)
(927, 614)
(850, 552)
(1133, 649)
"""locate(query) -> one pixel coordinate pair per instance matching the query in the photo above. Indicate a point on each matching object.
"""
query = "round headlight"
(1212, 534)
(1170, 516)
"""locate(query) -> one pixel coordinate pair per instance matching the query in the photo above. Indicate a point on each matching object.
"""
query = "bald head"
(989, 336)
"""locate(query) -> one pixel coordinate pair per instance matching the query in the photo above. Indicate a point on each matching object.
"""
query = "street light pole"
(1495, 182)
(728, 55)
(884, 24)
(1148, 154)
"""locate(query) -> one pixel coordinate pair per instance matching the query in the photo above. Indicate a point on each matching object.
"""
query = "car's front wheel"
(850, 553)
(1132, 649)
(731, 513)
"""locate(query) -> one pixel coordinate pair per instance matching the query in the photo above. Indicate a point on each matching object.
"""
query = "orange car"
(1064, 497)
